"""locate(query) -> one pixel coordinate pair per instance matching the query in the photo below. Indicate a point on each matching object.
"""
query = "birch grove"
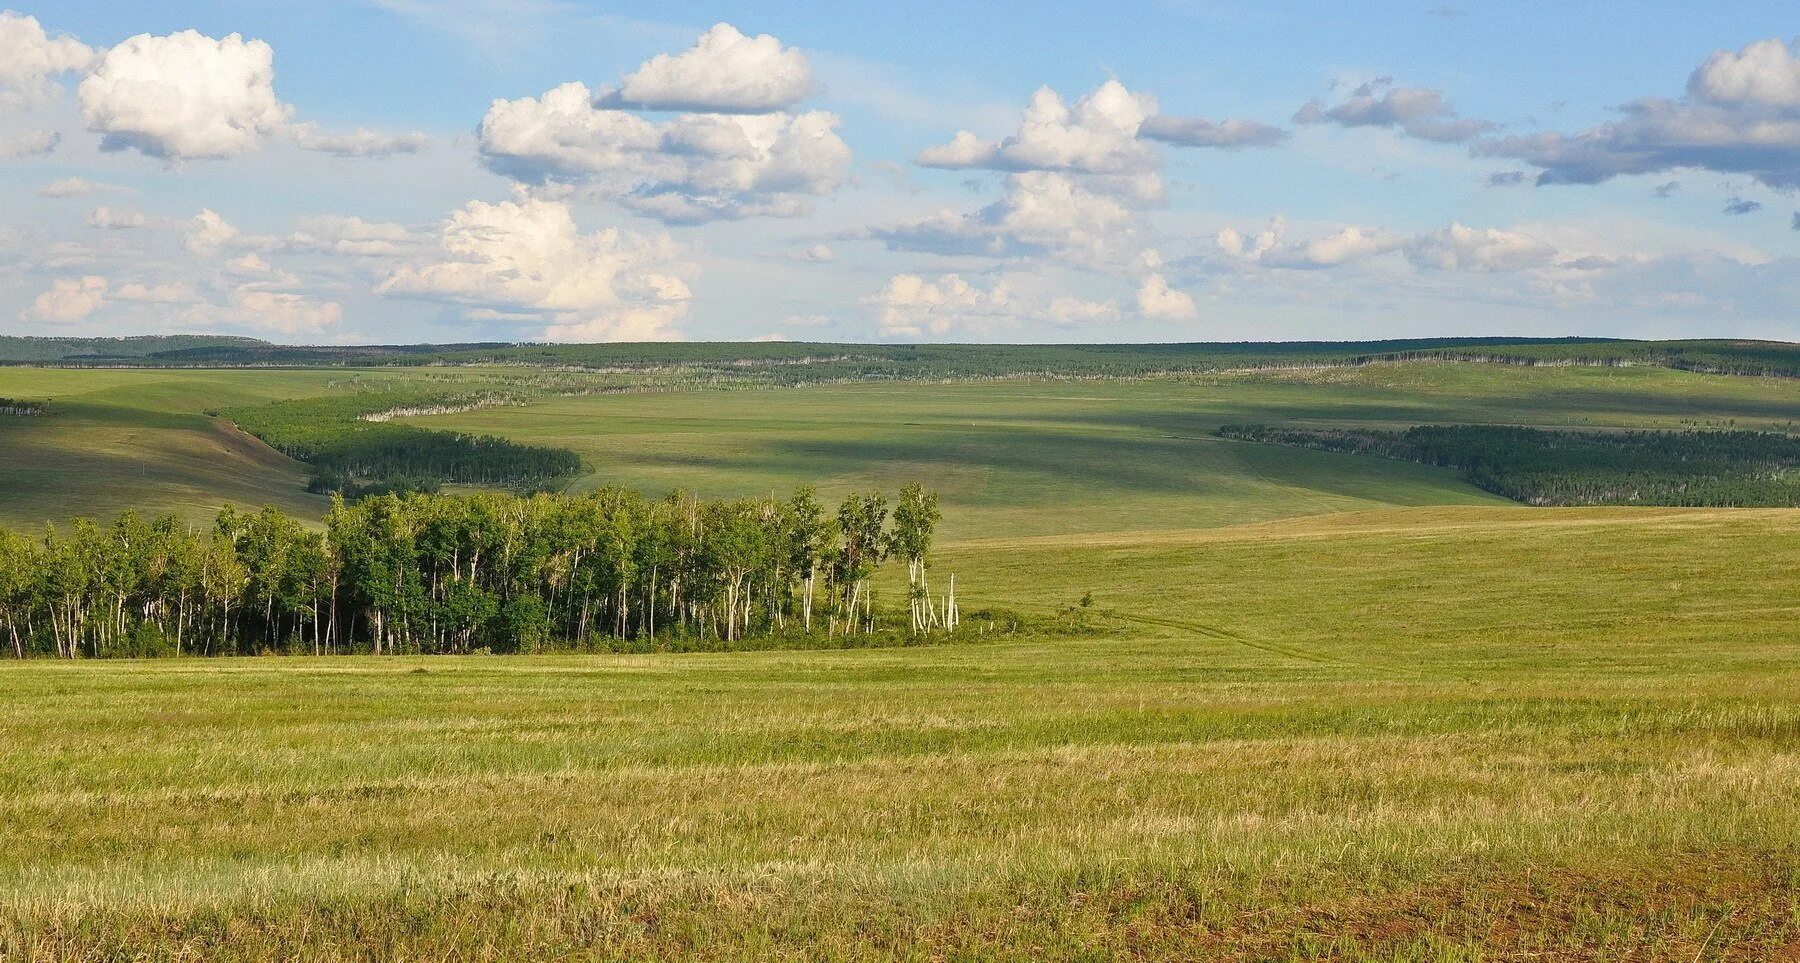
(456, 574)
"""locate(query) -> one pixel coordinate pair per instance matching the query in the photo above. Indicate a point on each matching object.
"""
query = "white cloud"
(28, 142)
(724, 72)
(1103, 133)
(816, 253)
(911, 306)
(1042, 214)
(1418, 111)
(80, 187)
(1156, 300)
(283, 312)
(360, 142)
(1741, 116)
(1229, 134)
(208, 233)
(184, 96)
(1099, 135)
(1067, 310)
(174, 292)
(351, 236)
(696, 167)
(1455, 248)
(1341, 247)
(116, 218)
(1765, 73)
(70, 299)
(1459, 248)
(29, 57)
(529, 260)
(1079, 180)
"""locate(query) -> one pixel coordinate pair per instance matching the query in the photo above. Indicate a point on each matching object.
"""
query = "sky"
(389, 171)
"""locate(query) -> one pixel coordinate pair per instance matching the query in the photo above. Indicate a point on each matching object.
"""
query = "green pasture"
(1316, 706)
(1011, 457)
(1045, 457)
(1422, 734)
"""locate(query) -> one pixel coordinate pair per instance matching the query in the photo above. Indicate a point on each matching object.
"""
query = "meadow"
(1464, 733)
(1322, 706)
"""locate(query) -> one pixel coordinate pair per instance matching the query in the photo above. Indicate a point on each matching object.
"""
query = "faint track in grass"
(1273, 648)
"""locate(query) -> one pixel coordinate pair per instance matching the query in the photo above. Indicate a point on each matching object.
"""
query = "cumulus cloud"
(724, 72)
(80, 187)
(1042, 213)
(1454, 248)
(1415, 111)
(1765, 73)
(816, 253)
(1079, 179)
(1740, 116)
(27, 143)
(1158, 301)
(530, 262)
(349, 235)
(912, 306)
(696, 167)
(360, 142)
(184, 96)
(29, 57)
(69, 299)
(171, 292)
(1459, 248)
(1098, 135)
(1101, 133)
(283, 312)
(1342, 247)
(1229, 134)
(208, 233)
(116, 218)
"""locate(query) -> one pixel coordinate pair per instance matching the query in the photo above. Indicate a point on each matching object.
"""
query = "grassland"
(1011, 456)
(1336, 708)
(130, 438)
(1037, 457)
(1456, 733)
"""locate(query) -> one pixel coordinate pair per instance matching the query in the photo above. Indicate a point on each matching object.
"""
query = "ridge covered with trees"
(355, 450)
(425, 574)
(1717, 469)
(785, 363)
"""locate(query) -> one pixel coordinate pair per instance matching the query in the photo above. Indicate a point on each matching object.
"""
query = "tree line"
(1711, 469)
(355, 457)
(420, 574)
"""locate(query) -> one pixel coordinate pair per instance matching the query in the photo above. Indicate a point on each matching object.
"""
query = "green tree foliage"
(357, 457)
(798, 362)
(456, 574)
(1720, 469)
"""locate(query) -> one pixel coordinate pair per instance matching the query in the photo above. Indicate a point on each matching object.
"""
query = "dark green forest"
(610, 570)
(1721, 469)
(781, 363)
(355, 451)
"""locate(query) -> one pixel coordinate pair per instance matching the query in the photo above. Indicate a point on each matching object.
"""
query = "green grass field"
(1331, 708)
(1033, 458)
(1464, 733)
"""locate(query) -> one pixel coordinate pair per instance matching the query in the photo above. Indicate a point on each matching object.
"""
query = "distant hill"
(797, 362)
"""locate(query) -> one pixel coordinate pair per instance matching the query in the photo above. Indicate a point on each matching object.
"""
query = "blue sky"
(409, 170)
